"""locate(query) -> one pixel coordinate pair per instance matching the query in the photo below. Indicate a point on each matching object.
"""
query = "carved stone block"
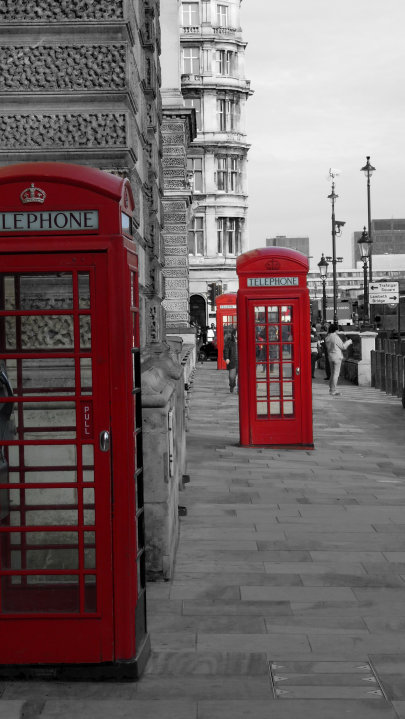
(63, 130)
(62, 67)
(59, 10)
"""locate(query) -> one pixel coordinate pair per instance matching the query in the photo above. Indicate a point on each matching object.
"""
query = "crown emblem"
(32, 194)
(272, 265)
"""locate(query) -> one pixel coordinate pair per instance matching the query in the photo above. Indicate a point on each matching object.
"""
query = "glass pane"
(261, 371)
(50, 455)
(261, 409)
(260, 314)
(286, 333)
(85, 332)
(288, 389)
(40, 593)
(274, 333)
(44, 376)
(90, 593)
(286, 313)
(47, 332)
(260, 331)
(274, 370)
(273, 314)
(8, 301)
(44, 476)
(274, 352)
(288, 352)
(288, 408)
(275, 389)
(10, 332)
(84, 290)
(86, 380)
(46, 292)
(275, 408)
(89, 517)
(261, 354)
(261, 390)
(89, 550)
(50, 517)
(88, 454)
(287, 370)
(51, 421)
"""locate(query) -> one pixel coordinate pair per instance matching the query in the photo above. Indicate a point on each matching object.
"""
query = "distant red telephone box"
(72, 563)
(275, 386)
(226, 322)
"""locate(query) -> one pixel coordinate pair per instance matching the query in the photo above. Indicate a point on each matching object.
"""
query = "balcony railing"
(191, 29)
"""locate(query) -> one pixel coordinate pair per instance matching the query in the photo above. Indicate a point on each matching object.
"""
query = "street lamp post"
(323, 271)
(368, 170)
(365, 252)
(336, 230)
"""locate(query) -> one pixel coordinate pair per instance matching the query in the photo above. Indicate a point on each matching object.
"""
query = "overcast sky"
(329, 89)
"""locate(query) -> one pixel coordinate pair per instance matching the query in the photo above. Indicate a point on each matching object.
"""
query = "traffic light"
(214, 290)
(211, 293)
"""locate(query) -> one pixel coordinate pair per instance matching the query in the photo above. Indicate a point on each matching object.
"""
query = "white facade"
(213, 82)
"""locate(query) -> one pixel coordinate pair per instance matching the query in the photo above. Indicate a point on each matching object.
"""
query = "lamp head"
(368, 169)
(323, 266)
(364, 244)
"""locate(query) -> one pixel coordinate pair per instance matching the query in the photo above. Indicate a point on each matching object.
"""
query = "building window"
(206, 10)
(225, 62)
(195, 168)
(196, 236)
(229, 231)
(190, 14)
(228, 174)
(191, 61)
(227, 113)
(196, 103)
(222, 15)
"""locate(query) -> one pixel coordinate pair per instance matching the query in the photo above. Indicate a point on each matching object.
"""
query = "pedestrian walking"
(324, 352)
(231, 359)
(334, 348)
(315, 348)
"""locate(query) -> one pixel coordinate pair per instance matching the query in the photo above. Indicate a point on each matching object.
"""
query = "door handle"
(297, 370)
(104, 441)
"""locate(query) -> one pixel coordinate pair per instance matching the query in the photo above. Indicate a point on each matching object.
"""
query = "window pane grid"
(273, 334)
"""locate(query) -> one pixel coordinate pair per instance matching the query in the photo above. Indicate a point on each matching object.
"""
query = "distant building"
(293, 243)
(388, 239)
(213, 82)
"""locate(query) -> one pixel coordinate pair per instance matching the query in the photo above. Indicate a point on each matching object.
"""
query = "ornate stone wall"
(60, 10)
(177, 131)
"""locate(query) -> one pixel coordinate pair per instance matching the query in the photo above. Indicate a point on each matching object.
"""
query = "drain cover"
(324, 680)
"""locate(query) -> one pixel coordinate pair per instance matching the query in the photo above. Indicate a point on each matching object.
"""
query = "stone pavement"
(288, 600)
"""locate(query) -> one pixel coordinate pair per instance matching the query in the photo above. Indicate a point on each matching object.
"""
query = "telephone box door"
(55, 514)
(275, 385)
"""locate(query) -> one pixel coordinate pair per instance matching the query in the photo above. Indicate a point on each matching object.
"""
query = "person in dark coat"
(231, 359)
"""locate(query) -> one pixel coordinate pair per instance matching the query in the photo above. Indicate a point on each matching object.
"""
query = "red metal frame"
(116, 630)
(226, 318)
(275, 388)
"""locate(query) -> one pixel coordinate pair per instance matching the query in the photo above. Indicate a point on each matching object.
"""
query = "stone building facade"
(80, 82)
(213, 83)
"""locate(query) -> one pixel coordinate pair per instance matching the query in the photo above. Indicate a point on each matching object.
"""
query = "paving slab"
(119, 709)
(294, 709)
(11, 709)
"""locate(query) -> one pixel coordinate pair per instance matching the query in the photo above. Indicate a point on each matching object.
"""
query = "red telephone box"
(275, 386)
(226, 322)
(72, 564)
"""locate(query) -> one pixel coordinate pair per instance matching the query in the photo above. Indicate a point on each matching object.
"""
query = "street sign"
(383, 293)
